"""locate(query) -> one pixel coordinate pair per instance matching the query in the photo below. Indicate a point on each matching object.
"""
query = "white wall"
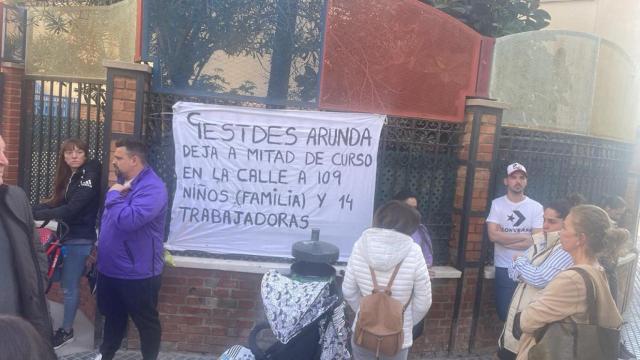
(614, 20)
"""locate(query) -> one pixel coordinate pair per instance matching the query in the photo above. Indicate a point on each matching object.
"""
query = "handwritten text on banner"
(254, 181)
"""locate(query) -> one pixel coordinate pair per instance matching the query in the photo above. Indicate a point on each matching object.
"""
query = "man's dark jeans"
(504, 289)
(117, 300)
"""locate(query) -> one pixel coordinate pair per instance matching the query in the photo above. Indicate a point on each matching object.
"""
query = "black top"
(79, 208)
(9, 294)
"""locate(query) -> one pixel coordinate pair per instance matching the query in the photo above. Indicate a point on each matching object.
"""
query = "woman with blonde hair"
(587, 232)
(537, 267)
(74, 201)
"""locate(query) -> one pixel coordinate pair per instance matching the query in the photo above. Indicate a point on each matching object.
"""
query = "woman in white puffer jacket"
(383, 247)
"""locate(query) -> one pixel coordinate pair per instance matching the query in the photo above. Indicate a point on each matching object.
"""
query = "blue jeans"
(74, 257)
(504, 289)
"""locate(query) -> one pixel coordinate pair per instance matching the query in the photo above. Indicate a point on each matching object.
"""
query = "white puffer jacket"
(384, 249)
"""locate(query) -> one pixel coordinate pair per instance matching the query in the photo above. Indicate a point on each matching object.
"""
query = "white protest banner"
(255, 181)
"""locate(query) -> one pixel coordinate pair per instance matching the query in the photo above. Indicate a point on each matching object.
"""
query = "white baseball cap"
(516, 167)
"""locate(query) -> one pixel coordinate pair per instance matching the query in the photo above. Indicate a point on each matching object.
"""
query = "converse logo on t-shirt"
(515, 218)
(521, 218)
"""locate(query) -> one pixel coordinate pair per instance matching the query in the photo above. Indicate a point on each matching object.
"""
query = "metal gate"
(421, 156)
(54, 110)
(559, 164)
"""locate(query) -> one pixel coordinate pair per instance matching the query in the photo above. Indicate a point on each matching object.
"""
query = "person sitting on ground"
(20, 340)
(587, 231)
(537, 267)
(381, 249)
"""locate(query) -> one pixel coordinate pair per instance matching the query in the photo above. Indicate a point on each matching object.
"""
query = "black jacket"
(28, 258)
(79, 208)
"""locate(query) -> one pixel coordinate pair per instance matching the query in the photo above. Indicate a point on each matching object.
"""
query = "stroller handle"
(63, 228)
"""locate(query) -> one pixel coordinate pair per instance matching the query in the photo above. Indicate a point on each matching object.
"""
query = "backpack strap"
(404, 308)
(373, 278)
(387, 288)
(393, 276)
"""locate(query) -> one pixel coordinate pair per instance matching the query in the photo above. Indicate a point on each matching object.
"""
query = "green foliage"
(189, 37)
(75, 42)
(14, 32)
(186, 35)
(496, 18)
(196, 40)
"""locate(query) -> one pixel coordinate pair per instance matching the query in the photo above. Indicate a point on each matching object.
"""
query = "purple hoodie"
(130, 244)
(422, 237)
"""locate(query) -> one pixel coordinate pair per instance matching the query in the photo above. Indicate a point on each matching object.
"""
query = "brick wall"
(11, 113)
(124, 103)
(480, 190)
(435, 339)
(206, 310)
(122, 109)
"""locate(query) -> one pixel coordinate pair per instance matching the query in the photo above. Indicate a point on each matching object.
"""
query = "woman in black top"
(74, 201)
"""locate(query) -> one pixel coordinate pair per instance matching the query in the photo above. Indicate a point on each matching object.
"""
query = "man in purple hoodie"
(130, 251)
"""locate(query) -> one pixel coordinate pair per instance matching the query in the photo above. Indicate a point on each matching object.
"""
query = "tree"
(496, 18)
(185, 35)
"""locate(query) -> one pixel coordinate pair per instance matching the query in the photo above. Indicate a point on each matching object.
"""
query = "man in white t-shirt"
(511, 222)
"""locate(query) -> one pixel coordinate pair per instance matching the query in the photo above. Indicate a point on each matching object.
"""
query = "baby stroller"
(52, 245)
(306, 318)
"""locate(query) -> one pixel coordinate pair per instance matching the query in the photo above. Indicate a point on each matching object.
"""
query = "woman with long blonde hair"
(587, 232)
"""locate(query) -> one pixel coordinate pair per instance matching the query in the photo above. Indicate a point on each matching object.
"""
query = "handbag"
(568, 340)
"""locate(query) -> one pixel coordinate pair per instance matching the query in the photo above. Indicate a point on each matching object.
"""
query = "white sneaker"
(98, 357)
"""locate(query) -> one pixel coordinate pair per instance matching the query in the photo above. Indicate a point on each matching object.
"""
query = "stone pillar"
(126, 84)
(12, 79)
(471, 205)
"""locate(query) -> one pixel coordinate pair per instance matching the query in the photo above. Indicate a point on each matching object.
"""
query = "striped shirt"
(521, 268)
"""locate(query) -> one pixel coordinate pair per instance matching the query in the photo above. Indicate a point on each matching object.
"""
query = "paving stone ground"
(135, 355)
